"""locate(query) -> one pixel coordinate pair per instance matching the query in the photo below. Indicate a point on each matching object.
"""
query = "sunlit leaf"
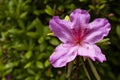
(23, 15)
(39, 64)
(49, 10)
(47, 63)
(28, 54)
(28, 65)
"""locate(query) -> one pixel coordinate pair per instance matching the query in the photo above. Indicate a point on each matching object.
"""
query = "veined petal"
(91, 51)
(99, 56)
(86, 50)
(63, 54)
(79, 16)
(97, 30)
(61, 29)
(79, 19)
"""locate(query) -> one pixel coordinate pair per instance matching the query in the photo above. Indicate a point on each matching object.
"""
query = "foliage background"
(25, 46)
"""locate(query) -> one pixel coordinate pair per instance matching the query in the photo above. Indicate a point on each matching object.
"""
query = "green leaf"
(118, 31)
(2, 67)
(31, 71)
(47, 63)
(92, 7)
(41, 40)
(9, 65)
(49, 10)
(28, 54)
(33, 24)
(29, 78)
(28, 65)
(16, 63)
(54, 41)
(0, 52)
(37, 25)
(37, 77)
(39, 64)
(3, 78)
(102, 6)
(105, 41)
(23, 15)
(21, 24)
(32, 34)
(8, 71)
(16, 31)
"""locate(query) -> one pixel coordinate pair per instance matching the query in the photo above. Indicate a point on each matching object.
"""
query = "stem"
(70, 65)
(86, 71)
(78, 68)
(94, 70)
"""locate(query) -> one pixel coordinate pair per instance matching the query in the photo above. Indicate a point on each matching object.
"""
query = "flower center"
(78, 41)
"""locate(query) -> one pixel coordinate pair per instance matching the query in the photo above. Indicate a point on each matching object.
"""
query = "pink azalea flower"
(78, 37)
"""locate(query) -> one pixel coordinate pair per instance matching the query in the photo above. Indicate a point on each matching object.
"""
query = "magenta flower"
(78, 37)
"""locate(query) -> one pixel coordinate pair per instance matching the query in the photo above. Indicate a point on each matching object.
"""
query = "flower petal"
(79, 19)
(63, 54)
(99, 56)
(91, 51)
(98, 29)
(61, 29)
(79, 16)
(86, 50)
